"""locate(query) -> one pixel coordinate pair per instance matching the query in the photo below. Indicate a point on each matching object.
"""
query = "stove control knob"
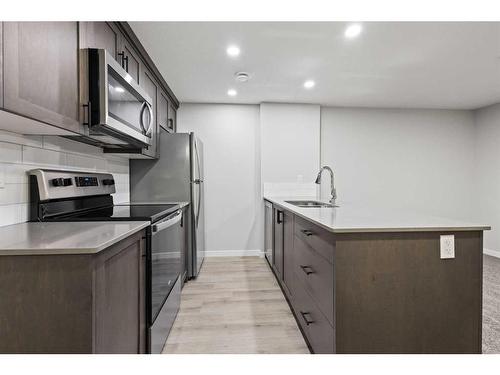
(108, 182)
(57, 182)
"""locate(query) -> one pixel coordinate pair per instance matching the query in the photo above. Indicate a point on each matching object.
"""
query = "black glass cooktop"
(152, 212)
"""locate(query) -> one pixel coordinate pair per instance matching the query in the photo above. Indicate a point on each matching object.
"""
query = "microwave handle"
(141, 117)
(151, 119)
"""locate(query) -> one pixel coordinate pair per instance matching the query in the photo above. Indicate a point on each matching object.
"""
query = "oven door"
(165, 260)
(119, 111)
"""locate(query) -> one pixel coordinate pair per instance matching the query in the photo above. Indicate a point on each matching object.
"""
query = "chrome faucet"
(332, 183)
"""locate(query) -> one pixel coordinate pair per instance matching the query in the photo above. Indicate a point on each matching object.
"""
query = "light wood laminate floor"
(234, 306)
(491, 305)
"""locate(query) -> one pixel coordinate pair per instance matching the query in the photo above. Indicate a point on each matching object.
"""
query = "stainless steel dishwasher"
(268, 232)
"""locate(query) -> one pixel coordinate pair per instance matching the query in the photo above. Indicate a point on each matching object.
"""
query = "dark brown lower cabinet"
(380, 292)
(288, 240)
(82, 303)
(315, 325)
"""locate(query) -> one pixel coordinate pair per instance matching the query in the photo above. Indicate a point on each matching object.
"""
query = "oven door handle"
(167, 223)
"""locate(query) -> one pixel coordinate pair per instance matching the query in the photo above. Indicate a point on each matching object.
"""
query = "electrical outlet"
(447, 246)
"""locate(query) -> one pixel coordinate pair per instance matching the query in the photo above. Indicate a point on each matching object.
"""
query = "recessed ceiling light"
(231, 92)
(233, 51)
(352, 31)
(309, 84)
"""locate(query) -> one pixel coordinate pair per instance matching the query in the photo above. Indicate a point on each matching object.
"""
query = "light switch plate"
(447, 246)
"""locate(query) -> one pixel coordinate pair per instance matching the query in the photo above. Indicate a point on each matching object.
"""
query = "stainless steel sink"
(311, 204)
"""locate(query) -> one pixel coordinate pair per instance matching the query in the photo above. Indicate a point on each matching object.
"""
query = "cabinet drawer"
(316, 327)
(316, 276)
(318, 238)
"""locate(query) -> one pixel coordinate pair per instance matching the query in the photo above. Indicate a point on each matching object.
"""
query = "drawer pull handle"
(307, 269)
(307, 232)
(307, 320)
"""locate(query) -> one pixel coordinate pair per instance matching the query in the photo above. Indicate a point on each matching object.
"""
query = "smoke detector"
(242, 76)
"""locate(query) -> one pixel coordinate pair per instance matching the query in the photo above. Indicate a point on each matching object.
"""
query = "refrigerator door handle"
(198, 181)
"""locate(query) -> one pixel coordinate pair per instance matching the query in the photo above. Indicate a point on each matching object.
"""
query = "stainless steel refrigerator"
(177, 176)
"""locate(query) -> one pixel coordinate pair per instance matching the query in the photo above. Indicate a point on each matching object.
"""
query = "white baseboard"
(234, 253)
(493, 253)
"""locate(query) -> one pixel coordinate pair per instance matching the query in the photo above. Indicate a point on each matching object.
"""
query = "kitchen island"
(73, 287)
(361, 282)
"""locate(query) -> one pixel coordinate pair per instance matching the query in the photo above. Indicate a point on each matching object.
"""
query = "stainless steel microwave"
(117, 111)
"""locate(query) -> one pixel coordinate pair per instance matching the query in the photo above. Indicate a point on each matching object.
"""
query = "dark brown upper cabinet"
(148, 83)
(103, 35)
(130, 60)
(163, 107)
(172, 117)
(40, 72)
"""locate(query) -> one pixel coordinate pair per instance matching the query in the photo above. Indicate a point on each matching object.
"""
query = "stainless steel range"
(80, 196)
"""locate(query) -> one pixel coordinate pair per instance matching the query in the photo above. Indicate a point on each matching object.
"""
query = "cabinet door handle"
(124, 60)
(307, 232)
(307, 269)
(304, 316)
(88, 106)
(279, 217)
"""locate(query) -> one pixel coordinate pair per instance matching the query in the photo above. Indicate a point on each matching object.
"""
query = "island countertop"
(352, 219)
(50, 238)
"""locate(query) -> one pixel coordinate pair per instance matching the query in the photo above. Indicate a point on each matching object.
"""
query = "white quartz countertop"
(65, 238)
(181, 204)
(351, 219)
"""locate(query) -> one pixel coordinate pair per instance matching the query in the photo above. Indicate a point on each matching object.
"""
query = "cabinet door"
(130, 61)
(149, 85)
(288, 238)
(163, 107)
(103, 35)
(41, 71)
(119, 298)
(278, 243)
(172, 118)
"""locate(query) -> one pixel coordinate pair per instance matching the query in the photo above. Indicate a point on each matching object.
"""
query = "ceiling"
(390, 64)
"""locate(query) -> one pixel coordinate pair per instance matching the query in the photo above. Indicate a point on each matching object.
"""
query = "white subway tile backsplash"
(19, 154)
(117, 166)
(121, 198)
(40, 156)
(67, 145)
(16, 173)
(12, 214)
(14, 193)
(83, 162)
(11, 153)
(26, 140)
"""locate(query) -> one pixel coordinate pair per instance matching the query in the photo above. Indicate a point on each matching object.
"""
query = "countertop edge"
(78, 251)
(341, 230)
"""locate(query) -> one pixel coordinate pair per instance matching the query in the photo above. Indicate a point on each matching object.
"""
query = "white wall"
(420, 160)
(487, 177)
(19, 154)
(233, 204)
(290, 136)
